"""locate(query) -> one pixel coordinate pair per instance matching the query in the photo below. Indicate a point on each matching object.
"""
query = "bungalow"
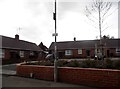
(86, 48)
(15, 50)
(44, 51)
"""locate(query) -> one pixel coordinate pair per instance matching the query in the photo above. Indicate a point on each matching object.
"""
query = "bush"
(48, 63)
(73, 64)
(89, 64)
(31, 63)
(45, 63)
(62, 63)
(108, 64)
(117, 64)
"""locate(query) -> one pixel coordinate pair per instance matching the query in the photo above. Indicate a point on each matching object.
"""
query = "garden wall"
(106, 78)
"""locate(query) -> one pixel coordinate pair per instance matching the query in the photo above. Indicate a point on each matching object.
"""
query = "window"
(79, 51)
(117, 50)
(68, 52)
(2, 53)
(21, 53)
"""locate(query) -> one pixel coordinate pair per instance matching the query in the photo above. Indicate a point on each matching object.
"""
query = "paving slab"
(15, 81)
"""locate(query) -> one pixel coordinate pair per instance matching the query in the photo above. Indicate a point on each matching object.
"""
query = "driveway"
(8, 69)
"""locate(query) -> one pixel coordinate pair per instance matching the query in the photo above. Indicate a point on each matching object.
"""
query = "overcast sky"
(35, 18)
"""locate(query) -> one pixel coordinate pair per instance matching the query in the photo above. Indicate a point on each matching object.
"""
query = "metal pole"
(100, 22)
(101, 51)
(55, 61)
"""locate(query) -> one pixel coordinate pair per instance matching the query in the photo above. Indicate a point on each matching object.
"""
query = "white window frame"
(117, 50)
(21, 54)
(2, 53)
(68, 52)
(79, 51)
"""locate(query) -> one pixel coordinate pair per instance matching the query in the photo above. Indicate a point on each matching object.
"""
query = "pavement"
(9, 79)
(15, 81)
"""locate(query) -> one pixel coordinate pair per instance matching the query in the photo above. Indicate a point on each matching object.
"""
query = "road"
(9, 79)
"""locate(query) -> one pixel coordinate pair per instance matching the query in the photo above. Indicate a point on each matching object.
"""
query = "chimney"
(74, 38)
(17, 37)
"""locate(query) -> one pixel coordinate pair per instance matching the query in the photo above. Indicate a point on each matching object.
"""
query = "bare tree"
(97, 12)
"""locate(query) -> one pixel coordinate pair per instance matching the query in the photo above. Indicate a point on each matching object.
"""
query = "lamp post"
(55, 46)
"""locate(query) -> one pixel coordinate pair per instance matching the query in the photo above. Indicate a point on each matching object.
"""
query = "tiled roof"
(110, 43)
(43, 47)
(12, 43)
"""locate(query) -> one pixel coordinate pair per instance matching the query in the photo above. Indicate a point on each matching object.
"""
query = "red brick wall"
(40, 72)
(84, 53)
(92, 52)
(113, 50)
(76, 55)
(7, 54)
(91, 77)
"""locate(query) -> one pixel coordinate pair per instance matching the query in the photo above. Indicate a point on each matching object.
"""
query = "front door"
(88, 53)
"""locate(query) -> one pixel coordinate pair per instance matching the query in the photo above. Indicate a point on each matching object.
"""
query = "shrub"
(89, 64)
(31, 63)
(48, 63)
(117, 64)
(62, 63)
(73, 64)
(45, 63)
(108, 64)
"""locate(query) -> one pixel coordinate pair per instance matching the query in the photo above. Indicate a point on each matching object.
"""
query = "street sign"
(55, 34)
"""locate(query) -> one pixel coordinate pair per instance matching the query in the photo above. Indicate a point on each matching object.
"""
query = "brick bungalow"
(44, 51)
(15, 50)
(86, 48)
